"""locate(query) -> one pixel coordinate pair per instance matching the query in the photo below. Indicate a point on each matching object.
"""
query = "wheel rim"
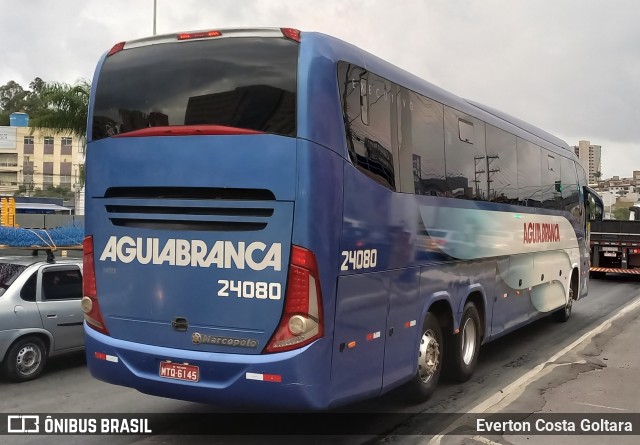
(429, 356)
(469, 336)
(28, 359)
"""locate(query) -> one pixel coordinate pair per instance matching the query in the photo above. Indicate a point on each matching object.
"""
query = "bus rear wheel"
(425, 381)
(465, 346)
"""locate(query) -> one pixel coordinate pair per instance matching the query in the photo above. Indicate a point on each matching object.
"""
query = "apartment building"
(38, 159)
(590, 158)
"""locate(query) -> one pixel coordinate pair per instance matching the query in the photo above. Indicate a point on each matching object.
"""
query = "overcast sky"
(571, 67)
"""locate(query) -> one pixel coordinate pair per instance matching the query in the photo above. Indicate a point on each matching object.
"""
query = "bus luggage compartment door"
(359, 338)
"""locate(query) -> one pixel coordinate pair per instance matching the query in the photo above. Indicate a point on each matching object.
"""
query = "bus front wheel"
(465, 346)
(427, 375)
(562, 315)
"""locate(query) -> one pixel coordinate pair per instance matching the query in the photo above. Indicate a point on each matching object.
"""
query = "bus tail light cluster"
(301, 321)
(90, 305)
(198, 35)
(116, 48)
(292, 34)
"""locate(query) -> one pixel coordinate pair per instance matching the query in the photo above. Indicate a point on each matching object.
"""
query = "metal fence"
(37, 221)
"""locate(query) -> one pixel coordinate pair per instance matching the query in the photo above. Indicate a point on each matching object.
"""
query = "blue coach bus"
(280, 218)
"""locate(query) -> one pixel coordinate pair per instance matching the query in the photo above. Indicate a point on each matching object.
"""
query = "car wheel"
(25, 359)
(429, 357)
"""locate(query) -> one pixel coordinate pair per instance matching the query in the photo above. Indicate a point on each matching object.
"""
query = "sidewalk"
(600, 378)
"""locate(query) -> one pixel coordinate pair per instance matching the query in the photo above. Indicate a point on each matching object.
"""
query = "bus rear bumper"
(245, 381)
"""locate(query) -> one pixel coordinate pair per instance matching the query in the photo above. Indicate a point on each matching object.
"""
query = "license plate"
(614, 254)
(179, 371)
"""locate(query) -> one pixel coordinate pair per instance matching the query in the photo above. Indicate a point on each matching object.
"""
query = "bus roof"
(339, 50)
(316, 46)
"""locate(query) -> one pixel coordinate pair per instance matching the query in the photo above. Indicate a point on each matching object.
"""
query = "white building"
(38, 159)
(590, 158)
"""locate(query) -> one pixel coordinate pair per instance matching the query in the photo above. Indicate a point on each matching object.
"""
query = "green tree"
(54, 192)
(621, 213)
(33, 104)
(65, 108)
(12, 99)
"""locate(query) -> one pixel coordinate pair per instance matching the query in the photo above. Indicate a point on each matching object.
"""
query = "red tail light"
(198, 35)
(301, 321)
(90, 305)
(291, 33)
(116, 48)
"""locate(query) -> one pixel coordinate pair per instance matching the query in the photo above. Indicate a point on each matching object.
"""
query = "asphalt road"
(67, 387)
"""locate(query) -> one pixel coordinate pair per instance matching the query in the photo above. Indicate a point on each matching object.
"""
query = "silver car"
(40, 313)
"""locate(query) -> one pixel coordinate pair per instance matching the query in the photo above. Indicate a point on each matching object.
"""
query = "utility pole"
(154, 16)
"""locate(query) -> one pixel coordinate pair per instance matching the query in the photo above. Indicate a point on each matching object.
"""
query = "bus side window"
(569, 188)
(466, 158)
(551, 180)
(529, 176)
(422, 145)
(502, 166)
(369, 143)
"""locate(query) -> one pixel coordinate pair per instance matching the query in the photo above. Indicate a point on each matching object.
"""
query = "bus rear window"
(247, 82)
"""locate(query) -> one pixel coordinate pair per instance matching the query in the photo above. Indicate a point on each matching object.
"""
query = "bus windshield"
(244, 82)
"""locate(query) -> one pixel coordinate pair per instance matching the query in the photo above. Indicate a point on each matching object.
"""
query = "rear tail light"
(301, 322)
(116, 48)
(290, 33)
(90, 305)
(198, 35)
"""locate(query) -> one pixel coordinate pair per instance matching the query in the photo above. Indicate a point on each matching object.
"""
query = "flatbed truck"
(615, 245)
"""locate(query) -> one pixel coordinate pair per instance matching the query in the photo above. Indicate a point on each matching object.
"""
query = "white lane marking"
(516, 388)
(600, 406)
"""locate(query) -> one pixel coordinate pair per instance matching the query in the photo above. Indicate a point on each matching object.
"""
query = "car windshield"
(8, 273)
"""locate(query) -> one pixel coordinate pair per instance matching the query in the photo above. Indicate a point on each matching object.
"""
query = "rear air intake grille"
(221, 211)
(190, 208)
(201, 193)
(210, 226)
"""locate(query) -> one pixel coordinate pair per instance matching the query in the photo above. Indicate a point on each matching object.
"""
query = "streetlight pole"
(154, 16)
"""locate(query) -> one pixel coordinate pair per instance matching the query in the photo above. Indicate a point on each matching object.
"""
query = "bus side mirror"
(558, 185)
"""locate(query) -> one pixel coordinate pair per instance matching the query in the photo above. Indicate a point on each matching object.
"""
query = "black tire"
(429, 356)
(25, 359)
(463, 348)
(563, 315)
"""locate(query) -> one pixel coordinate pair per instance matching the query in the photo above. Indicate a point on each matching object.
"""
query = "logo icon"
(23, 424)
(196, 338)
